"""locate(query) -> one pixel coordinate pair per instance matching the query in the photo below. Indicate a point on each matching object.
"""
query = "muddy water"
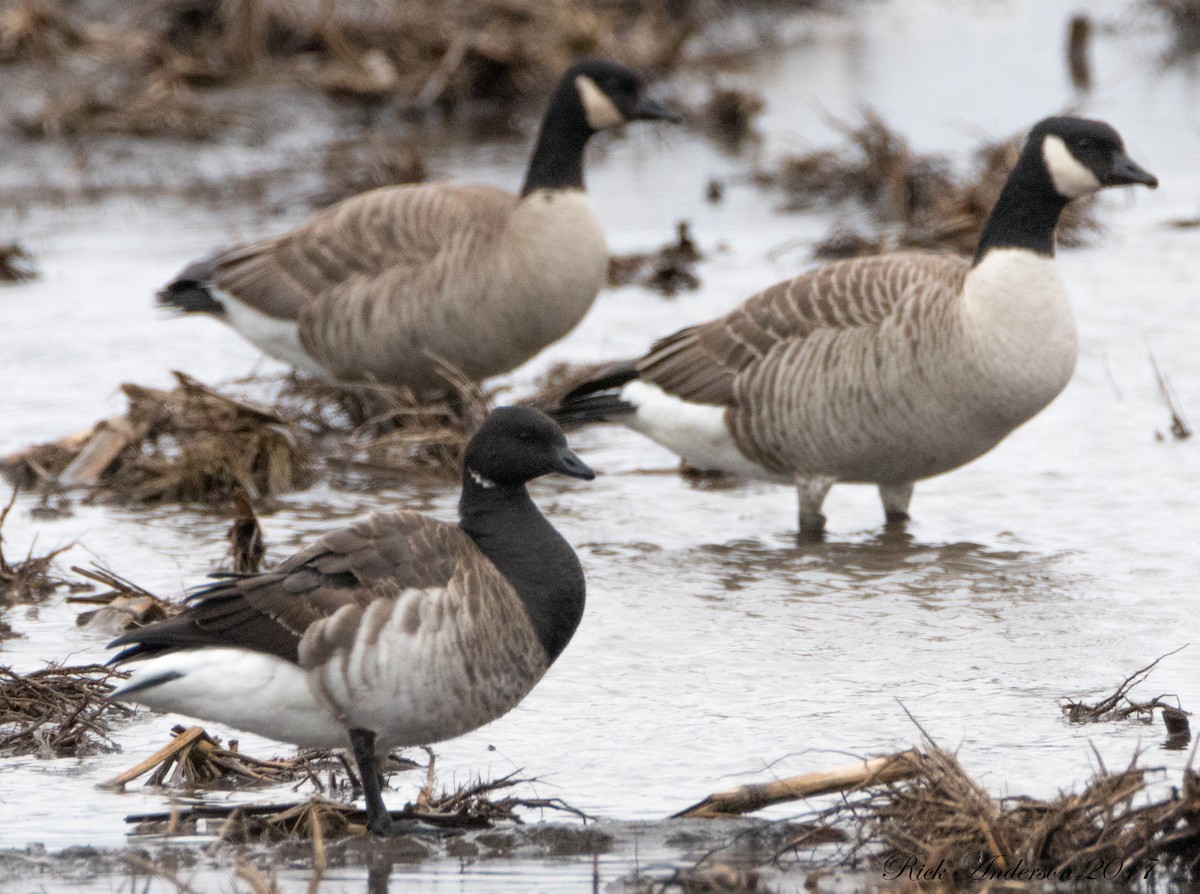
(715, 648)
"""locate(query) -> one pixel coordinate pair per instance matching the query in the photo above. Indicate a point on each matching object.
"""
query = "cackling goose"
(398, 283)
(398, 630)
(882, 370)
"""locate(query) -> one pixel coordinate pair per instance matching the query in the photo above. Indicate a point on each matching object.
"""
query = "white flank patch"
(696, 432)
(279, 338)
(249, 691)
(1071, 178)
(600, 111)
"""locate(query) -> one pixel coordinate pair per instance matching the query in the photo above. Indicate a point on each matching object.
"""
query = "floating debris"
(1118, 705)
(913, 198)
(31, 580)
(16, 264)
(469, 807)
(728, 116)
(139, 74)
(668, 271)
(188, 444)
(194, 759)
(945, 815)
(59, 711)
(123, 607)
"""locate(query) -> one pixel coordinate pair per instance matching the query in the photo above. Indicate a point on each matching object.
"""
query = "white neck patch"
(485, 483)
(599, 109)
(1071, 178)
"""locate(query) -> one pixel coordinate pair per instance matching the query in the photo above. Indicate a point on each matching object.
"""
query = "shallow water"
(715, 649)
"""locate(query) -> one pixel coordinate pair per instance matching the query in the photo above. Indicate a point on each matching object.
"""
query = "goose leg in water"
(896, 498)
(812, 493)
(379, 821)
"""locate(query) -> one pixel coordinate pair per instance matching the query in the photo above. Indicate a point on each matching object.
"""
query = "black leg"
(379, 821)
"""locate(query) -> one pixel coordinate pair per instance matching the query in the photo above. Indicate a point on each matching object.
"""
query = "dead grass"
(914, 199)
(1179, 428)
(16, 264)
(138, 67)
(58, 711)
(30, 580)
(188, 444)
(667, 270)
(945, 814)
(195, 760)
(197, 444)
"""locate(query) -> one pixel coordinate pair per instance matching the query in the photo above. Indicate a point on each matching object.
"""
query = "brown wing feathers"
(375, 558)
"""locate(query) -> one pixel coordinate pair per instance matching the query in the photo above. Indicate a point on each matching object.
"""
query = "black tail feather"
(189, 292)
(598, 399)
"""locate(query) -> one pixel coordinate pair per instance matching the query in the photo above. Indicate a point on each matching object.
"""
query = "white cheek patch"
(1071, 178)
(599, 109)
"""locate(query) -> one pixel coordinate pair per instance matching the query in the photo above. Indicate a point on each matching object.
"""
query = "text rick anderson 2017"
(992, 867)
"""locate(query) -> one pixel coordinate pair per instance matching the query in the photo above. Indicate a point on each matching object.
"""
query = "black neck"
(1027, 211)
(557, 161)
(532, 556)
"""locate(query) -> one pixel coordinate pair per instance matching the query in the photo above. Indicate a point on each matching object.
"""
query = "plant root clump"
(59, 711)
(31, 580)
(16, 264)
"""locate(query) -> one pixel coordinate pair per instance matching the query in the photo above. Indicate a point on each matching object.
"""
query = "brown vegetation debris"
(246, 545)
(468, 807)
(194, 759)
(912, 195)
(944, 814)
(58, 711)
(1183, 17)
(361, 50)
(160, 104)
(188, 444)
(381, 430)
(16, 264)
(718, 878)
(30, 580)
(1118, 705)
(124, 606)
(728, 116)
(359, 164)
(35, 29)
(668, 271)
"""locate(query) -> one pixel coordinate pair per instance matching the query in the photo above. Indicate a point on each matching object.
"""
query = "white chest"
(1020, 329)
(556, 249)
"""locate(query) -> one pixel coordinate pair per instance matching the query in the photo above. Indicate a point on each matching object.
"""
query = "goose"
(398, 630)
(396, 284)
(881, 370)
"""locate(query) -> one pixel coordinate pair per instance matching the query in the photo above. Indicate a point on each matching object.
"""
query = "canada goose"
(882, 370)
(397, 630)
(395, 284)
